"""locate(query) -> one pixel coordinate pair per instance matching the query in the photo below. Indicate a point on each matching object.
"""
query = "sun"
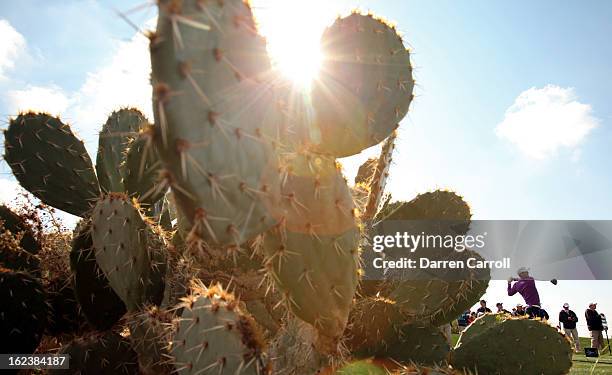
(293, 32)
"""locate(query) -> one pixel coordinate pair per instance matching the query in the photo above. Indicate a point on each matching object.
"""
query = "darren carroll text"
(426, 263)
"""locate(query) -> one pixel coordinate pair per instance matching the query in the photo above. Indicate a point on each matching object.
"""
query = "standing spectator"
(568, 319)
(483, 309)
(500, 308)
(520, 311)
(526, 287)
(595, 325)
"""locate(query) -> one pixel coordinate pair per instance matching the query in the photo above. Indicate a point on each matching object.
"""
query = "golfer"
(526, 287)
(569, 319)
(595, 325)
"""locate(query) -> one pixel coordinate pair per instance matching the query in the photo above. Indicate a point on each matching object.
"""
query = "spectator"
(526, 287)
(500, 308)
(544, 314)
(472, 316)
(568, 319)
(520, 311)
(483, 309)
(464, 320)
(595, 325)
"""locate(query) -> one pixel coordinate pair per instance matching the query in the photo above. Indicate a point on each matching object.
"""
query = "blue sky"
(512, 107)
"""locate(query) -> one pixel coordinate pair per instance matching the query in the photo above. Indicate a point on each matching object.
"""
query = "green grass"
(583, 365)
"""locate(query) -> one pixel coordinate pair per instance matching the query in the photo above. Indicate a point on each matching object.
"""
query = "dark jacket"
(593, 320)
(564, 318)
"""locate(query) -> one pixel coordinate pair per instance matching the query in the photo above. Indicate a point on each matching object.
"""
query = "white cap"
(521, 270)
(566, 305)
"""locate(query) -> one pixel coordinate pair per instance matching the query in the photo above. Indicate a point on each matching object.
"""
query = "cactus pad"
(103, 354)
(214, 335)
(142, 169)
(126, 248)
(120, 128)
(312, 255)
(365, 84)
(222, 169)
(507, 345)
(49, 161)
(99, 303)
(23, 312)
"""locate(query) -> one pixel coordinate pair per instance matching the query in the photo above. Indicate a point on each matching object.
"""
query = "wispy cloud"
(49, 99)
(12, 44)
(543, 120)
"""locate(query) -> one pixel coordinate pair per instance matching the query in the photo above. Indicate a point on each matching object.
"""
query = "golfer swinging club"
(526, 287)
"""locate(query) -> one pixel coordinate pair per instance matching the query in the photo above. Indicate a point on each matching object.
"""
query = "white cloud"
(12, 44)
(123, 82)
(49, 99)
(541, 121)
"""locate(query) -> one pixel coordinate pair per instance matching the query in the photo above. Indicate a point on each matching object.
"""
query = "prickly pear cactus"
(99, 303)
(102, 354)
(313, 253)
(116, 134)
(507, 345)
(51, 162)
(126, 248)
(23, 312)
(222, 172)
(365, 84)
(214, 335)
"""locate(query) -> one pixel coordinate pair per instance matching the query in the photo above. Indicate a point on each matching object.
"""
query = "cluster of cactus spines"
(98, 301)
(105, 353)
(23, 312)
(214, 335)
(527, 346)
(365, 84)
(113, 143)
(315, 248)
(51, 162)
(126, 248)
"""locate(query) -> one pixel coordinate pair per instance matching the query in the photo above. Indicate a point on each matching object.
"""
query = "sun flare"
(293, 32)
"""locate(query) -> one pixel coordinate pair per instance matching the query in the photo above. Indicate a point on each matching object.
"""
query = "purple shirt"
(526, 288)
